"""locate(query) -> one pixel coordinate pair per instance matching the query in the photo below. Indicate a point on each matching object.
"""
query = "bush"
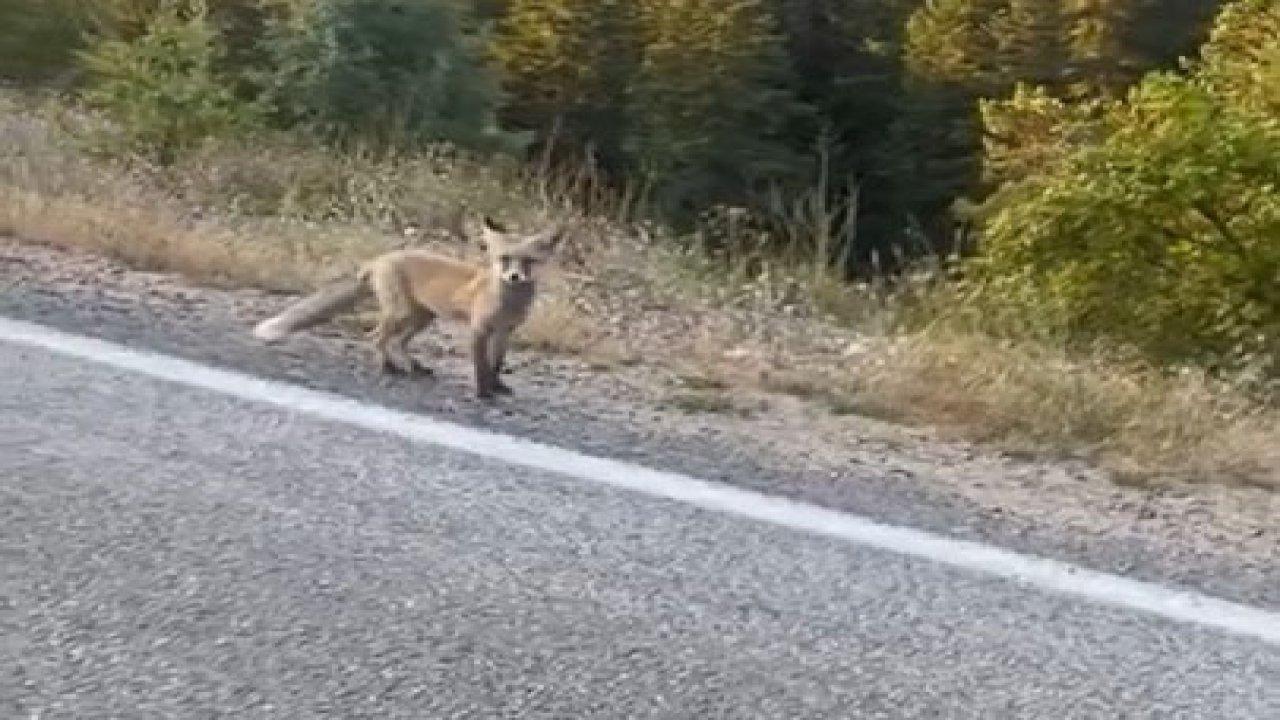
(1242, 59)
(162, 88)
(1030, 131)
(1166, 233)
(388, 73)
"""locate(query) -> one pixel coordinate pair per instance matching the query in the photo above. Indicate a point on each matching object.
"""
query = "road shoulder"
(1216, 540)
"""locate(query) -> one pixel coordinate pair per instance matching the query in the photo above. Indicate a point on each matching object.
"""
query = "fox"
(414, 287)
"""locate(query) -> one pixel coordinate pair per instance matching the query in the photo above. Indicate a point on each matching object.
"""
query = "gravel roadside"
(1220, 540)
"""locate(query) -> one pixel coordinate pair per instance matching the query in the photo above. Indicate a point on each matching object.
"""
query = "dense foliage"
(1165, 231)
(382, 72)
(163, 87)
(38, 38)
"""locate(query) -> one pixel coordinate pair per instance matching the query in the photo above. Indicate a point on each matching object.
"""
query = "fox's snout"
(515, 270)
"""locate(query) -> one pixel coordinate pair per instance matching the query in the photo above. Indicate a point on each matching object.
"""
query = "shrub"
(1166, 233)
(1030, 131)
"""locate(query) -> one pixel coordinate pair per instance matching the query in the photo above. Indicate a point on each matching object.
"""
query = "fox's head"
(516, 257)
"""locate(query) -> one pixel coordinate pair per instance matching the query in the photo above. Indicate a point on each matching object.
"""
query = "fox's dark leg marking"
(497, 356)
(485, 377)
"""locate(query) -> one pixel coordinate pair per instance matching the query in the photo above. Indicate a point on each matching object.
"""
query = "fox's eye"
(504, 258)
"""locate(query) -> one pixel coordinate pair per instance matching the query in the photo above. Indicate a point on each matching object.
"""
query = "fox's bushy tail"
(314, 309)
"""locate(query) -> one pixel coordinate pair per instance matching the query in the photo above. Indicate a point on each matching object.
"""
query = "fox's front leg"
(497, 355)
(486, 378)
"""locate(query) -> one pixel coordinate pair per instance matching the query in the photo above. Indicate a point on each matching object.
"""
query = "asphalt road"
(172, 552)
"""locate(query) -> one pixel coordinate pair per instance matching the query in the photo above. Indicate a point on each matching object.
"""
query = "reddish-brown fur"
(415, 287)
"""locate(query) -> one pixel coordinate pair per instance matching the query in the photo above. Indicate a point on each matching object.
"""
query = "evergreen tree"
(1028, 42)
(384, 72)
(987, 46)
(847, 57)
(567, 66)
(950, 60)
(947, 43)
(489, 10)
(1096, 31)
(1161, 32)
(38, 38)
(713, 104)
(163, 87)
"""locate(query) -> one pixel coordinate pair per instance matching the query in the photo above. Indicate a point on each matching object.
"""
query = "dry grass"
(278, 177)
(1145, 425)
(795, 385)
(51, 191)
(267, 211)
(710, 401)
(150, 239)
(699, 382)
(558, 326)
(281, 216)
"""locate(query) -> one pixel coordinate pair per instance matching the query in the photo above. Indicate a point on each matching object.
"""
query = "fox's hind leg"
(399, 321)
(392, 341)
(400, 342)
(390, 360)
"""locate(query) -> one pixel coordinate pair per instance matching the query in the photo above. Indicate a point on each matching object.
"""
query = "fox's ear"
(549, 239)
(492, 235)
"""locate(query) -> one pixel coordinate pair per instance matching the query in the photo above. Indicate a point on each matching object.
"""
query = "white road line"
(1044, 574)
